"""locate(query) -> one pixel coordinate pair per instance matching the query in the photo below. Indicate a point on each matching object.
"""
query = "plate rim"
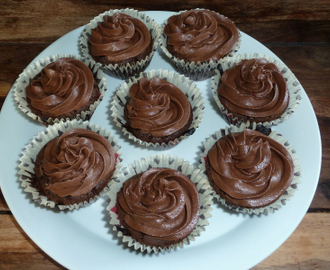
(18, 217)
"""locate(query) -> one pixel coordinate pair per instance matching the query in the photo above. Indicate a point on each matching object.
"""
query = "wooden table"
(298, 32)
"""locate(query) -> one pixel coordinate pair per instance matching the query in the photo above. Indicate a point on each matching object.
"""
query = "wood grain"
(17, 251)
(310, 64)
(13, 59)
(304, 21)
(298, 32)
(3, 205)
(310, 241)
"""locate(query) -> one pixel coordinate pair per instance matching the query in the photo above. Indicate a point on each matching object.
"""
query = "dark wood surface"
(298, 32)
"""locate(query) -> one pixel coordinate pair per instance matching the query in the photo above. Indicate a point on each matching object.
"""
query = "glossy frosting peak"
(157, 107)
(250, 168)
(76, 161)
(63, 86)
(119, 37)
(201, 35)
(254, 88)
(160, 202)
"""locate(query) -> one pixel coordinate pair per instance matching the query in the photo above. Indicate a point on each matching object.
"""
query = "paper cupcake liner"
(187, 86)
(293, 85)
(27, 160)
(207, 145)
(128, 70)
(163, 161)
(32, 70)
(197, 71)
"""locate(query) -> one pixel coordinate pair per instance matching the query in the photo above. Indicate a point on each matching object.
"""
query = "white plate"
(83, 240)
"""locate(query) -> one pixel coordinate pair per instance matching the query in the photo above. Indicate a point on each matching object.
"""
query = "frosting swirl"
(63, 86)
(254, 88)
(160, 202)
(119, 37)
(200, 35)
(251, 169)
(157, 107)
(75, 162)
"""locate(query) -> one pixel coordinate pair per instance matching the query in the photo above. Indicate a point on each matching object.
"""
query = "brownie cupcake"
(196, 40)
(60, 87)
(69, 165)
(158, 109)
(159, 203)
(123, 41)
(251, 169)
(255, 88)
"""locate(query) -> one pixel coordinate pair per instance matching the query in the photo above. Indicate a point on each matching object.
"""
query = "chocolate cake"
(62, 90)
(157, 111)
(119, 40)
(254, 90)
(249, 169)
(74, 167)
(159, 207)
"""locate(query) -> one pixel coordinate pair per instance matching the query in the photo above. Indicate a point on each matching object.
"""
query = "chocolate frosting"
(254, 88)
(119, 37)
(157, 107)
(162, 203)
(75, 162)
(250, 168)
(201, 35)
(63, 86)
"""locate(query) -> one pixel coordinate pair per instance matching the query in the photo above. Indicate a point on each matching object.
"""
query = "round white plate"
(83, 239)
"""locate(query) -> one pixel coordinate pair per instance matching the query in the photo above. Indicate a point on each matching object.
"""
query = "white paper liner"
(187, 86)
(122, 71)
(163, 161)
(197, 71)
(32, 70)
(207, 145)
(293, 85)
(27, 160)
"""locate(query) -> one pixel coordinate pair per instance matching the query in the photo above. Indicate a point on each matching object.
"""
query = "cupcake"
(123, 41)
(251, 169)
(158, 109)
(255, 88)
(196, 40)
(69, 165)
(159, 203)
(60, 87)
